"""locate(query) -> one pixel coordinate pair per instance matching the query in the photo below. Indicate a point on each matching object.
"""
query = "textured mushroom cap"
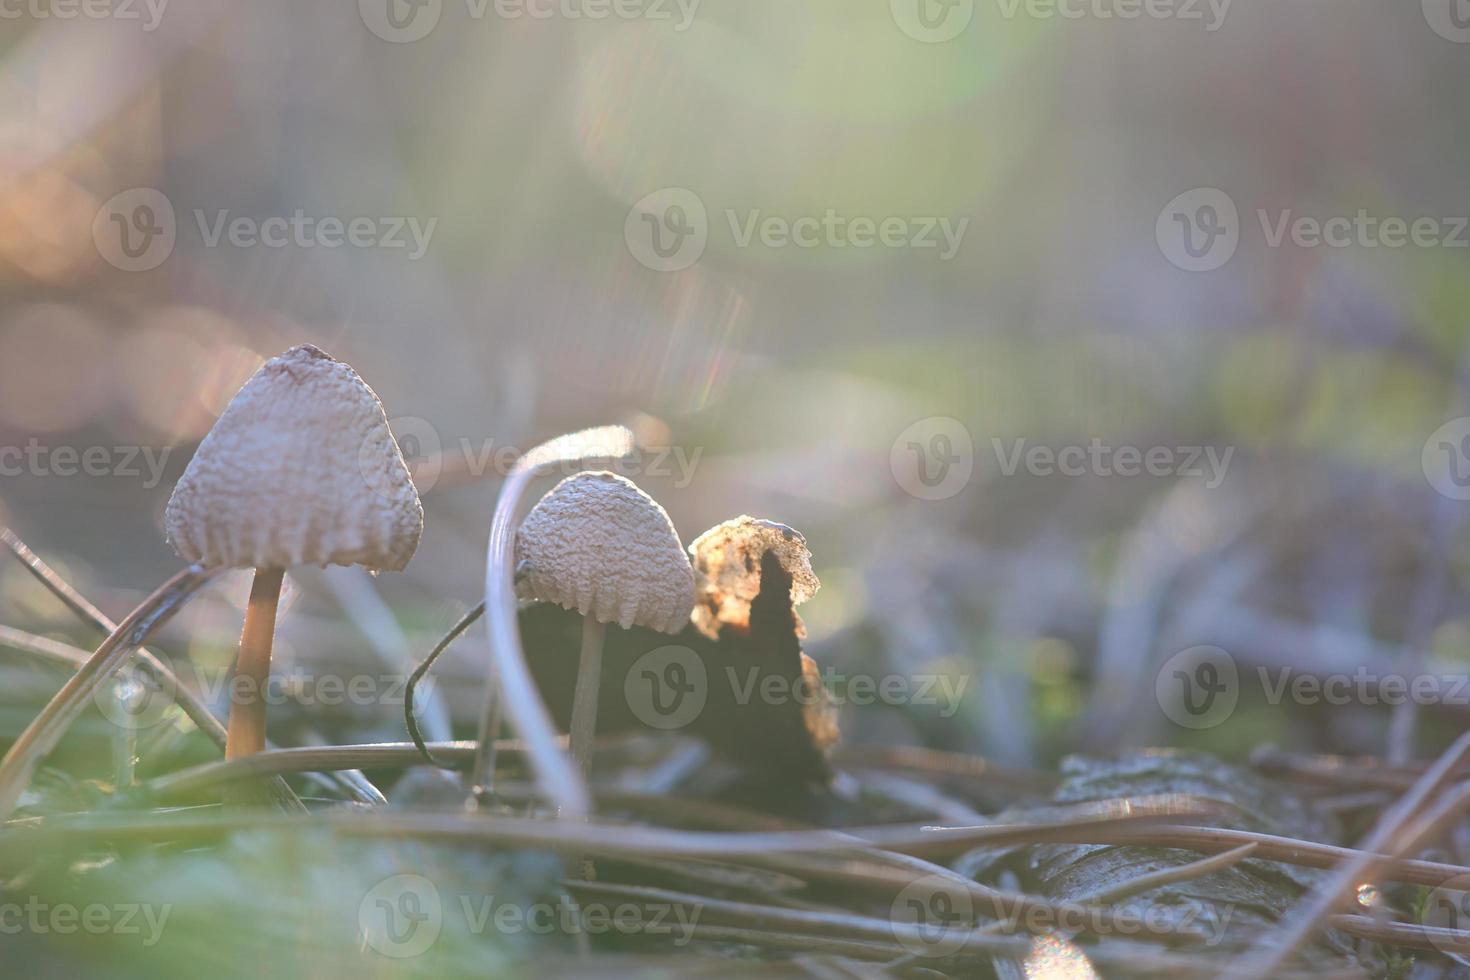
(598, 544)
(727, 568)
(300, 469)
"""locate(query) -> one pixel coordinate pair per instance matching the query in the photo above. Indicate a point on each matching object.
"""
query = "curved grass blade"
(354, 783)
(47, 728)
(509, 683)
(410, 719)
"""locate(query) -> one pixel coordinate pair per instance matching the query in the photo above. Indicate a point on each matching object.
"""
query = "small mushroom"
(598, 544)
(732, 562)
(300, 468)
(727, 568)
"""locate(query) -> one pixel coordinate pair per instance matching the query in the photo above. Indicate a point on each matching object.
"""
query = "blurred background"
(850, 263)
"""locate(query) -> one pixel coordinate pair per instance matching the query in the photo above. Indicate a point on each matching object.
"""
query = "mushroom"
(598, 544)
(754, 572)
(727, 564)
(300, 468)
(731, 561)
(509, 684)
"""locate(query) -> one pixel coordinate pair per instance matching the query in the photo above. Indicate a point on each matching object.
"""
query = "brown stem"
(246, 733)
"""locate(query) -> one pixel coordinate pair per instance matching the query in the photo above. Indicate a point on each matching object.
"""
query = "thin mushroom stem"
(584, 713)
(584, 700)
(247, 714)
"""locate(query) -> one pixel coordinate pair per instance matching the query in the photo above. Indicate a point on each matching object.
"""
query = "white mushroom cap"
(727, 567)
(598, 544)
(300, 469)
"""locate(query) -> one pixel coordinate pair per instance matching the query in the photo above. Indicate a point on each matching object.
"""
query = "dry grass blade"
(59, 587)
(355, 783)
(914, 760)
(796, 942)
(1266, 958)
(1403, 933)
(1207, 840)
(907, 840)
(853, 926)
(323, 758)
(49, 651)
(1438, 820)
(795, 852)
(410, 720)
(920, 795)
(57, 654)
(1288, 850)
(1168, 876)
(864, 868)
(1338, 771)
(814, 923)
(967, 943)
(151, 664)
(73, 658)
(888, 872)
(47, 728)
(509, 684)
(604, 838)
(869, 872)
